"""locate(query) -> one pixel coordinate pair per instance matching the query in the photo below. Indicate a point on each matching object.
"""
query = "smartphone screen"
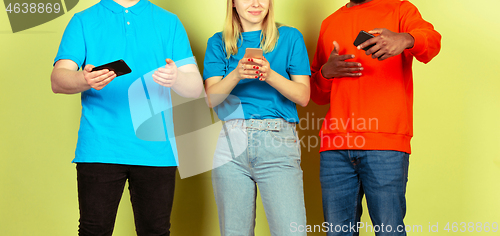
(362, 37)
(119, 67)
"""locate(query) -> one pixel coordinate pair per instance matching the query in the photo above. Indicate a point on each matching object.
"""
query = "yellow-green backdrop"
(454, 169)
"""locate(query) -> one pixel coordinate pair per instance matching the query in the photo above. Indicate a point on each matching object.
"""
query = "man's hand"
(387, 44)
(336, 66)
(98, 79)
(166, 76)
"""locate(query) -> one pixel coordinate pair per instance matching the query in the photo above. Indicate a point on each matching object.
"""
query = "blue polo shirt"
(143, 35)
(258, 99)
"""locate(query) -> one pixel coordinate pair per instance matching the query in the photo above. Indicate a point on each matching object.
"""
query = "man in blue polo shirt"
(148, 38)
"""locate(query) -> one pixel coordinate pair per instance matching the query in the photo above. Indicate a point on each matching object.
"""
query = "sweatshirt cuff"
(420, 43)
(322, 82)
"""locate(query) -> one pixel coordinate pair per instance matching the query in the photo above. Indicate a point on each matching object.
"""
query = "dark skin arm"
(387, 43)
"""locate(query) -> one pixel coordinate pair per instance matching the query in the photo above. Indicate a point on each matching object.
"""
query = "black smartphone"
(119, 67)
(362, 37)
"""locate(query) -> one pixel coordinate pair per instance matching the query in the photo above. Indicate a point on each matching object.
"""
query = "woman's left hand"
(264, 68)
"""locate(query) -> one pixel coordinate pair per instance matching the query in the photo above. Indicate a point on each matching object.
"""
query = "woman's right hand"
(247, 69)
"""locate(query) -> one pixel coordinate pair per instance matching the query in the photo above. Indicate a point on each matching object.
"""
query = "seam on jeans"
(248, 151)
(299, 150)
(357, 201)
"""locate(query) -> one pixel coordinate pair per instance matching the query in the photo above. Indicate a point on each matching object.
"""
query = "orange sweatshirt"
(374, 111)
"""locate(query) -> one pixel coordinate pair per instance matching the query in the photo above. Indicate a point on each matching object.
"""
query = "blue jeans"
(348, 175)
(265, 153)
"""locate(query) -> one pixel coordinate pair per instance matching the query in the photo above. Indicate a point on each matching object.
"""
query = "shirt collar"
(117, 8)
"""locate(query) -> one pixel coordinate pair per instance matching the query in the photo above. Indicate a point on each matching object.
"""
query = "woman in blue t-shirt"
(257, 98)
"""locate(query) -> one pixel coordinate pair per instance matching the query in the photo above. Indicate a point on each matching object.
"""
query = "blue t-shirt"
(143, 35)
(258, 99)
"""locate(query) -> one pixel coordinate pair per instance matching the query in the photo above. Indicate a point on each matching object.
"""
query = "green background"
(455, 165)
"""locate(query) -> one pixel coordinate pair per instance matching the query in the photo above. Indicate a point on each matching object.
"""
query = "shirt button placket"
(126, 17)
(127, 20)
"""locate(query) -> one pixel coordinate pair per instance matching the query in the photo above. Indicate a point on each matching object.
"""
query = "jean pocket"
(286, 143)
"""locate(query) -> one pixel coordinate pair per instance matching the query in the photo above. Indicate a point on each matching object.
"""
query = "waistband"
(260, 124)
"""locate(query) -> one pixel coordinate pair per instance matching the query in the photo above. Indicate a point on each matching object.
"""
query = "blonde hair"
(232, 30)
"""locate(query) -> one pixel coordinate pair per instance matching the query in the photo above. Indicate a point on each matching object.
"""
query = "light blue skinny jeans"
(263, 153)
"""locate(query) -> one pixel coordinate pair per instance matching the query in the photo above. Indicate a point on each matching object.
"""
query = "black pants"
(100, 187)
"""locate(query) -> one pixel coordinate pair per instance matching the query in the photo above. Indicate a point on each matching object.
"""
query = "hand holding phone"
(388, 43)
(362, 37)
(119, 67)
(248, 68)
(97, 79)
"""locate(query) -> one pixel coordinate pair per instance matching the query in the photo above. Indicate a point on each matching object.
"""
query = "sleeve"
(427, 40)
(72, 45)
(321, 87)
(181, 53)
(215, 58)
(299, 60)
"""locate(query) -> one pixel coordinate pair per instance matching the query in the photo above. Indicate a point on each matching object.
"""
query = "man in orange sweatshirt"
(365, 138)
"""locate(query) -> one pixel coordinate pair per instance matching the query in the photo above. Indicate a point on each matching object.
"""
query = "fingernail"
(359, 47)
(254, 67)
(359, 64)
(260, 79)
(248, 59)
(256, 72)
(257, 68)
(261, 74)
(256, 77)
(252, 59)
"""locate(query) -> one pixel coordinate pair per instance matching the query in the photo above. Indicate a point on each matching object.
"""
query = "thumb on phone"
(89, 68)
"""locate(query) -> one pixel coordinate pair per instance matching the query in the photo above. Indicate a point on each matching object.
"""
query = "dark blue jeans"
(348, 175)
(100, 188)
